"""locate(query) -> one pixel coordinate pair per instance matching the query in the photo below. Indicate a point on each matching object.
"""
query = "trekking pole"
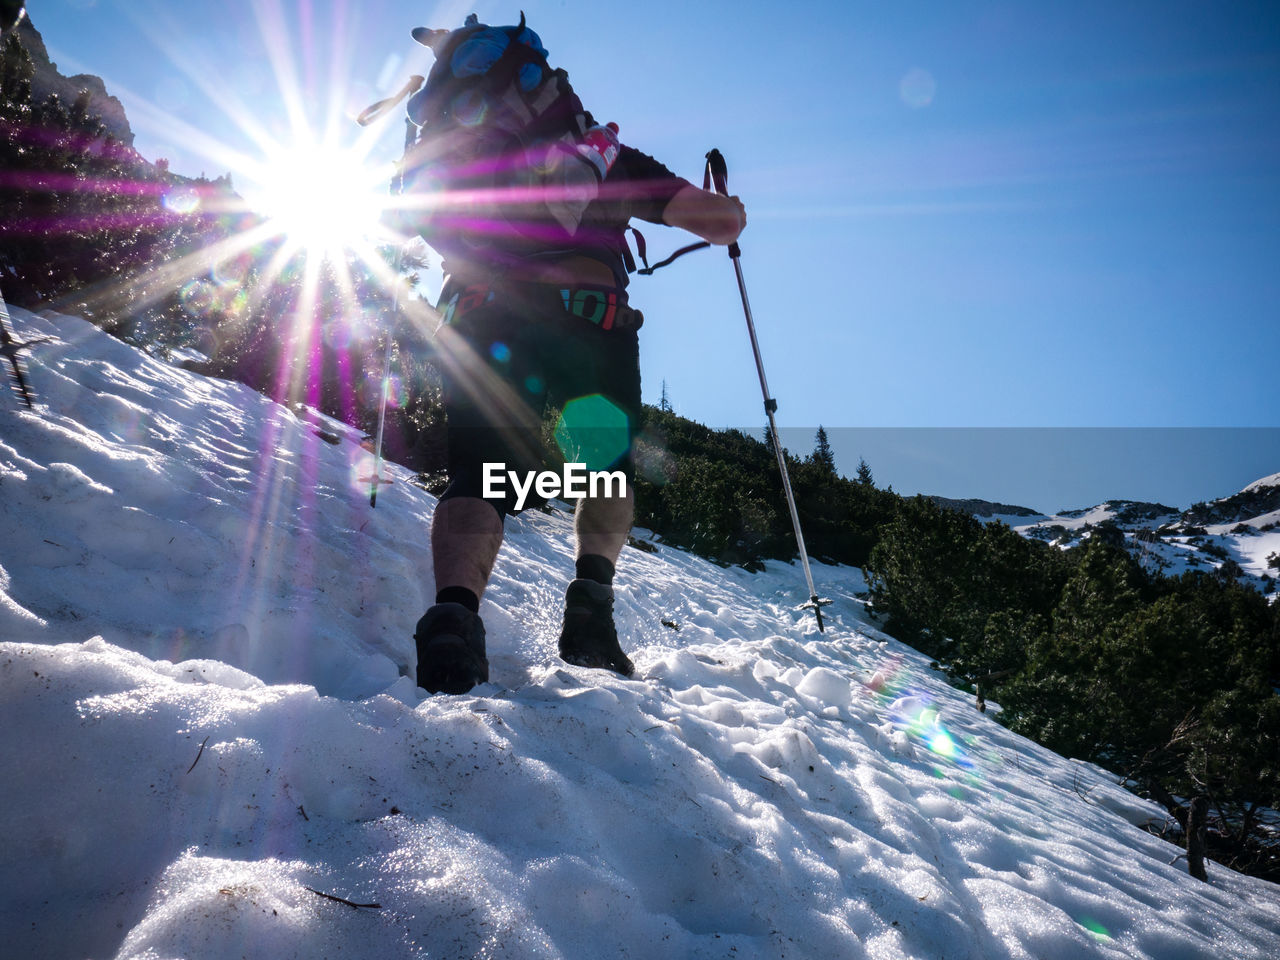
(9, 350)
(397, 187)
(375, 479)
(717, 174)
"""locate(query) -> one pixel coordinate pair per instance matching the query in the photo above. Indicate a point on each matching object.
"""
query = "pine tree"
(864, 474)
(16, 72)
(822, 454)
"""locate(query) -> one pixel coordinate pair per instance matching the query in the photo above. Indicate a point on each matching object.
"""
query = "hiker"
(533, 315)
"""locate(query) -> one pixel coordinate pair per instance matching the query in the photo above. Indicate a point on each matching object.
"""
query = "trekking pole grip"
(717, 173)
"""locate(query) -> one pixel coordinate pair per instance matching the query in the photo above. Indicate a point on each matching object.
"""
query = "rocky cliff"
(48, 80)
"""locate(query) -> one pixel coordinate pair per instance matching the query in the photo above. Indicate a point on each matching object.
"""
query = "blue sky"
(962, 215)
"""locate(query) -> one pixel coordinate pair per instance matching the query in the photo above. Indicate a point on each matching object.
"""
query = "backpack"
(501, 167)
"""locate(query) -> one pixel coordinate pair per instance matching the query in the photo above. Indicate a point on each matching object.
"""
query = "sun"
(322, 198)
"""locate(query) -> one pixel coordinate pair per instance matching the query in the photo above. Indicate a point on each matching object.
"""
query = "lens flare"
(1096, 930)
(181, 201)
(654, 461)
(592, 430)
(338, 334)
(198, 296)
(234, 270)
(912, 712)
(397, 392)
(942, 744)
(469, 108)
(917, 88)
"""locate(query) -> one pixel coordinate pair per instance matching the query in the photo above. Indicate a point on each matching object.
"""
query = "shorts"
(510, 354)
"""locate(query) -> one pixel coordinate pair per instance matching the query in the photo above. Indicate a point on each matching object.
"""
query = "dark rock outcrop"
(1243, 506)
(48, 81)
(984, 508)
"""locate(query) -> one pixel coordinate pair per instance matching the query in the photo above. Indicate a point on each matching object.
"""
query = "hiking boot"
(589, 638)
(450, 642)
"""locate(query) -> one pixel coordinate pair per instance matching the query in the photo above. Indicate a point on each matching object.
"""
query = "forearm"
(711, 216)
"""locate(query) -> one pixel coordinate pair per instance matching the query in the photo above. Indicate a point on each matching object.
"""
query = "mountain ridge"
(49, 81)
(1237, 535)
(1260, 497)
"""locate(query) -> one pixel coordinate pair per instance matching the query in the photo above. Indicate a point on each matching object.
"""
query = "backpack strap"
(641, 249)
(701, 245)
(648, 270)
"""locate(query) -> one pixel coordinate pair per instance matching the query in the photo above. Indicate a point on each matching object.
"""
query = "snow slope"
(1264, 482)
(207, 739)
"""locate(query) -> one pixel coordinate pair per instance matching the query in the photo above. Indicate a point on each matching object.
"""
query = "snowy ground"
(207, 739)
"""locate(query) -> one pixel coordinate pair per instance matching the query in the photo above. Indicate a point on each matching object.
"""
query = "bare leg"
(601, 525)
(466, 534)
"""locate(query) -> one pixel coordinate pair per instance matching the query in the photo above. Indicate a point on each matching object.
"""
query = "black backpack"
(500, 168)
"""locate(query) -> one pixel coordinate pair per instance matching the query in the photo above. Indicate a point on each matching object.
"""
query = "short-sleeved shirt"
(637, 186)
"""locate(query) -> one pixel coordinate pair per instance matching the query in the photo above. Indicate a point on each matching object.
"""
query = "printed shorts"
(513, 353)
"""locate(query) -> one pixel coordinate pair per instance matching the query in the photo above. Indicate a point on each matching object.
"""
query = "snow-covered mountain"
(1243, 528)
(1265, 483)
(210, 752)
